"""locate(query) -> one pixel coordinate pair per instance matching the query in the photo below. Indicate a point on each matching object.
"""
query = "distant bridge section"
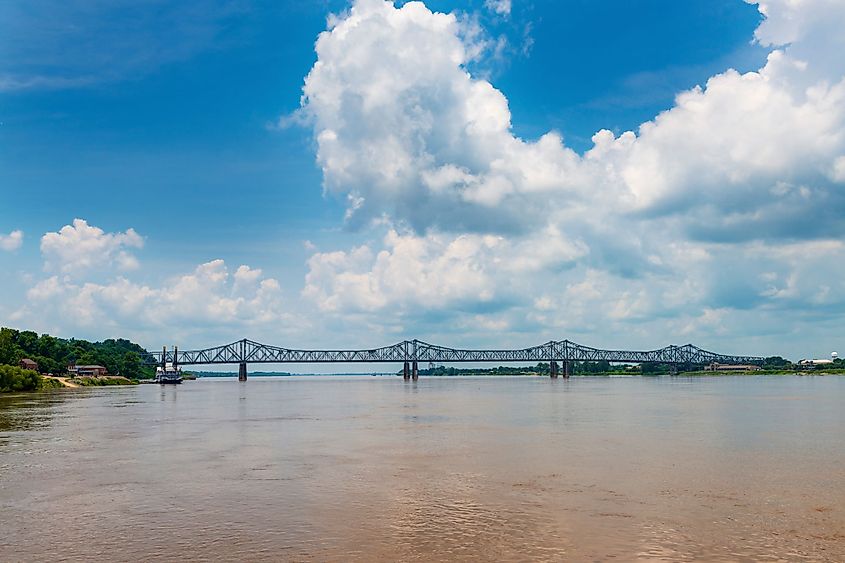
(411, 352)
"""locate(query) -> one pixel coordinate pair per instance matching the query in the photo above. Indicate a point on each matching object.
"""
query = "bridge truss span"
(249, 351)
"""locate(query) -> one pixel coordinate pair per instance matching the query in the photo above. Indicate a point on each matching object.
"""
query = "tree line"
(541, 368)
(603, 367)
(53, 355)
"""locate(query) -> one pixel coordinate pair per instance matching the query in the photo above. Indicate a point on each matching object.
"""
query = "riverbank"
(699, 373)
(102, 381)
(45, 382)
(765, 372)
(62, 381)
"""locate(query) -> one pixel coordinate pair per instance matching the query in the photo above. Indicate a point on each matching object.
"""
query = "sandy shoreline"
(63, 380)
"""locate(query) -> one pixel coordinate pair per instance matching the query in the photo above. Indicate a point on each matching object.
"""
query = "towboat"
(168, 374)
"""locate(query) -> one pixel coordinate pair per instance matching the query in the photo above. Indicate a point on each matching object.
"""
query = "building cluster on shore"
(73, 370)
(715, 366)
(820, 362)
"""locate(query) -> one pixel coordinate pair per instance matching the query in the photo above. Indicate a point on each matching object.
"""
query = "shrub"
(13, 378)
(50, 383)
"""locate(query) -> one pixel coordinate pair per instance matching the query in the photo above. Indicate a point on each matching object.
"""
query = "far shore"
(468, 373)
(58, 382)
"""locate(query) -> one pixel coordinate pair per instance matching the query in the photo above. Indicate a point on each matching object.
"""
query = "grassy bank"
(102, 381)
(15, 380)
(769, 372)
(50, 383)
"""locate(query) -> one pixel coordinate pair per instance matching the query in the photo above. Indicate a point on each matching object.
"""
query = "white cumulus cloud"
(207, 296)
(12, 241)
(207, 300)
(432, 272)
(78, 248)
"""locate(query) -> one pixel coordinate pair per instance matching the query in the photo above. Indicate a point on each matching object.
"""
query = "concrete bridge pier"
(553, 369)
(415, 371)
(567, 368)
(242, 371)
(406, 371)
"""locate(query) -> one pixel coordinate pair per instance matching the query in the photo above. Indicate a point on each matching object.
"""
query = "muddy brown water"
(444, 469)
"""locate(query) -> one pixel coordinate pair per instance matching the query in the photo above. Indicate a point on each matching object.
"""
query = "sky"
(487, 173)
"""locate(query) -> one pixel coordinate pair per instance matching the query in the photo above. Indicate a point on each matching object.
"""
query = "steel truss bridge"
(411, 352)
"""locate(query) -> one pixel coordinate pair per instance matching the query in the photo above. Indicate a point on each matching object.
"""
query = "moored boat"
(168, 374)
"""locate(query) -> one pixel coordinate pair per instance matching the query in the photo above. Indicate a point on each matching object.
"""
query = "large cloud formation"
(730, 201)
(89, 290)
(403, 128)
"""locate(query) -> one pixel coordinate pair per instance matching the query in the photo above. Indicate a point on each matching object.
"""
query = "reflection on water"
(727, 468)
(28, 411)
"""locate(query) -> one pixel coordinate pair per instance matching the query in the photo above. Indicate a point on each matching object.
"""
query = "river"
(734, 468)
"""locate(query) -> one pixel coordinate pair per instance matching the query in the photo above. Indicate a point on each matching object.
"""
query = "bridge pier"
(553, 369)
(406, 371)
(567, 367)
(242, 371)
(415, 372)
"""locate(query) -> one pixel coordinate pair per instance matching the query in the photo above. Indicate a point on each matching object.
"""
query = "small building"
(26, 363)
(715, 366)
(86, 371)
(815, 363)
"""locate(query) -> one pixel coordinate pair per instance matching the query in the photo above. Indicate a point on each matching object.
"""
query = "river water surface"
(375, 468)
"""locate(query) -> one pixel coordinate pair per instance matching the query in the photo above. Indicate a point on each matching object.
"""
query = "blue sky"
(188, 125)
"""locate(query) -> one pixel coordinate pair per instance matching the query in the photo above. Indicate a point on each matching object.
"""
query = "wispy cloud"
(501, 7)
(11, 83)
(59, 44)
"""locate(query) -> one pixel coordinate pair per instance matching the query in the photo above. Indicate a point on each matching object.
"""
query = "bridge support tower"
(242, 371)
(415, 371)
(406, 371)
(567, 368)
(553, 369)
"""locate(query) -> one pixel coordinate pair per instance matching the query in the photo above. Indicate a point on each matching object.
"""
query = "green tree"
(13, 378)
(131, 365)
(654, 368)
(48, 346)
(774, 362)
(28, 342)
(87, 358)
(9, 351)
